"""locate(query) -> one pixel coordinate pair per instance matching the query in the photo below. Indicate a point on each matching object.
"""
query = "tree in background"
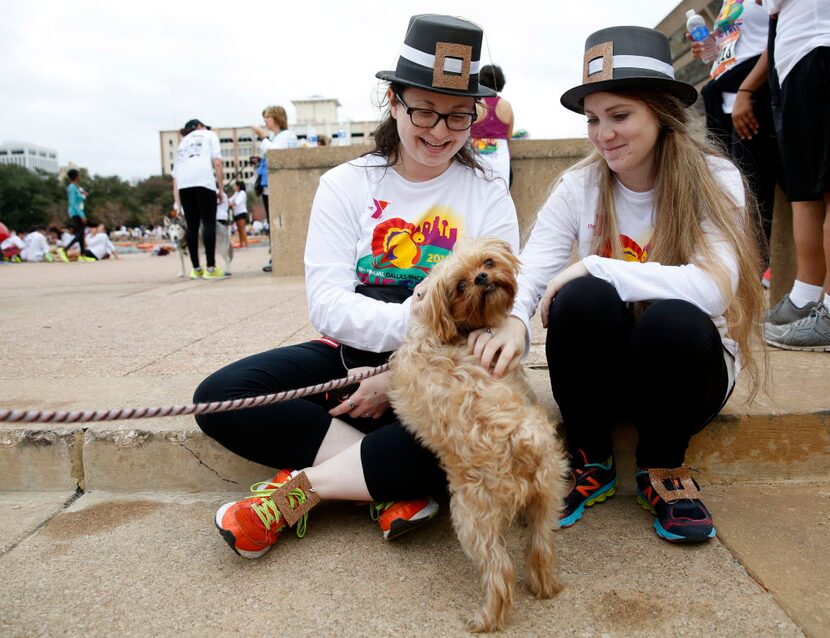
(155, 197)
(28, 198)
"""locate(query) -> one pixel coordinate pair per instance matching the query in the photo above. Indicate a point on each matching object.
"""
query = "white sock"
(827, 301)
(802, 293)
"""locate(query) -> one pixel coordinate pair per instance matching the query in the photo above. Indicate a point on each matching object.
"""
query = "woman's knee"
(213, 388)
(674, 326)
(585, 300)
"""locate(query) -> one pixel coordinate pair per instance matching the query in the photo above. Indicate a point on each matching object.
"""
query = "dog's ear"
(436, 312)
(512, 259)
(504, 251)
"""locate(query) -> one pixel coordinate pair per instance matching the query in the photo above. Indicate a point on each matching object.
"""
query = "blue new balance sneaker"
(590, 483)
(673, 496)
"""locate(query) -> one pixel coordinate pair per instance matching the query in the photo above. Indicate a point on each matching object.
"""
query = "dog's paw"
(544, 585)
(481, 623)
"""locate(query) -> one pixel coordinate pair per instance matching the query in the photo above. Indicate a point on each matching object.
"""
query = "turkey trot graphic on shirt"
(631, 250)
(403, 253)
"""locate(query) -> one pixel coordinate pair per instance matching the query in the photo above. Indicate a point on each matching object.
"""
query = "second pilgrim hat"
(620, 58)
(441, 54)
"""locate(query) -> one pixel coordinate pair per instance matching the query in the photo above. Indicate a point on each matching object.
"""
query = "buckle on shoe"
(689, 491)
(280, 497)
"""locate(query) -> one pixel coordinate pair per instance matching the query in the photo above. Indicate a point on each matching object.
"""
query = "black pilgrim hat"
(619, 58)
(441, 54)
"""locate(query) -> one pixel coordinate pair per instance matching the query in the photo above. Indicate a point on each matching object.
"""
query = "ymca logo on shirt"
(404, 252)
(377, 207)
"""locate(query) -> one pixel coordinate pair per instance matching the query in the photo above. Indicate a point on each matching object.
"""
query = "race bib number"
(726, 58)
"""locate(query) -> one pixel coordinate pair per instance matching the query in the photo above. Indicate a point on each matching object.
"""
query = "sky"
(98, 80)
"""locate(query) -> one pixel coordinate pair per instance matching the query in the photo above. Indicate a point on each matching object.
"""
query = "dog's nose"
(481, 279)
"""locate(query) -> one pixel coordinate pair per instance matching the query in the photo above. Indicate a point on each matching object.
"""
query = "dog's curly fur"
(498, 447)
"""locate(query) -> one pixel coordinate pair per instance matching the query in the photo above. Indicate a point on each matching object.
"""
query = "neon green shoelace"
(267, 510)
(376, 508)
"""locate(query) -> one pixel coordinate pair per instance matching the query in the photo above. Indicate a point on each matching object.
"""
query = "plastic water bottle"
(341, 137)
(696, 26)
(311, 136)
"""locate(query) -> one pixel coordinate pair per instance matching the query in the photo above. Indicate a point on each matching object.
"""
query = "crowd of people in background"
(41, 243)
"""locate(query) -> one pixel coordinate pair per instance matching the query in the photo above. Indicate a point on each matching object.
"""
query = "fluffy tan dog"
(497, 446)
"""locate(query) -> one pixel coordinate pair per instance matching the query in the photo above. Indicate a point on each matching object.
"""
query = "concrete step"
(781, 438)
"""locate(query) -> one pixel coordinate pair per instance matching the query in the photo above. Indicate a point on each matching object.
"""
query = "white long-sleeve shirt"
(35, 248)
(569, 216)
(100, 245)
(371, 226)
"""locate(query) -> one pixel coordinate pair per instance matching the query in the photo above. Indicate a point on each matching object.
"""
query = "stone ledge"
(41, 458)
(733, 449)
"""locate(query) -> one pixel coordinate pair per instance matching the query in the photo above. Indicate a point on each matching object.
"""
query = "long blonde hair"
(686, 194)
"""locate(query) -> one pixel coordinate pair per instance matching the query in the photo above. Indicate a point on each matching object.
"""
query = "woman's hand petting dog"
(501, 347)
(369, 400)
(574, 271)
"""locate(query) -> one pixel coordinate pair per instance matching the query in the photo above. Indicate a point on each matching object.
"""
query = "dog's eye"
(462, 285)
(489, 263)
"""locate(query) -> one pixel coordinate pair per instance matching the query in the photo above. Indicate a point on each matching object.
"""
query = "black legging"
(78, 224)
(199, 204)
(289, 434)
(757, 157)
(663, 369)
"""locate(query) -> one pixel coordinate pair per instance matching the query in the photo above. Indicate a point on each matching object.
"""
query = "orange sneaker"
(254, 524)
(398, 517)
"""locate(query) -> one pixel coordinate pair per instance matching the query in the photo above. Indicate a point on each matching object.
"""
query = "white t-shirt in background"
(803, 25)
(35, 247)
(239, 200)
(100, 245)
(222, 208)
(194, 160)
(12, 241)
(283, 139)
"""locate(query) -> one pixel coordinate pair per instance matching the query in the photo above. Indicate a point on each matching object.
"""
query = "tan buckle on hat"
(604, 51)
(283, 499)
(657, 475)
(443, 80)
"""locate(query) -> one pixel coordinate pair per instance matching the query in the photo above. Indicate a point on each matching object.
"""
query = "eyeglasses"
(427, 118)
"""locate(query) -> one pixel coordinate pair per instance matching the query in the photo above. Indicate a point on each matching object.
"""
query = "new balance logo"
(592, 486)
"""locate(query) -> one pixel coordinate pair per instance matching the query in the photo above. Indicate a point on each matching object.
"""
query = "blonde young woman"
(661, 311)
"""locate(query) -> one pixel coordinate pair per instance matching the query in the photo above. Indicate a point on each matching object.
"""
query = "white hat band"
(451, 65)
(633, 62)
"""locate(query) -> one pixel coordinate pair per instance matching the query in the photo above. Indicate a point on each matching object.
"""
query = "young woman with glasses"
(378, 225)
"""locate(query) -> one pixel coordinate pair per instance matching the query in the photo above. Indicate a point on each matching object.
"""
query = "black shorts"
(244, 216)
(805, 127)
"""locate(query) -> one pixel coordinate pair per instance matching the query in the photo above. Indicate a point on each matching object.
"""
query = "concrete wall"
(294, 175)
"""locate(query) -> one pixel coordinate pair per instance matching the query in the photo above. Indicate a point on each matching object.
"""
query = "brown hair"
(279, 115)
(387, 141)
(687, 199)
